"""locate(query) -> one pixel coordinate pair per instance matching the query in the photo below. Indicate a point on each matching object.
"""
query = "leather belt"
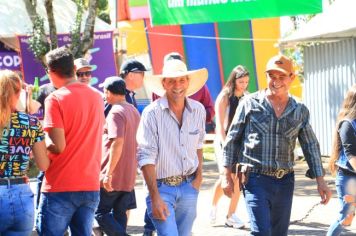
(14, 181)
(176, 180)
(278, 173)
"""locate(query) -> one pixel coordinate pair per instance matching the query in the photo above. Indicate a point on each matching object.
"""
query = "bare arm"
(55, 140)
(159, 207)
(199, 172)
(115, 155)
(32, 105)
(40, 155)
(323, 190)
(221, 106)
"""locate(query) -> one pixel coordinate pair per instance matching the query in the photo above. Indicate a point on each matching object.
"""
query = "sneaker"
(212, 215)
(234, 222)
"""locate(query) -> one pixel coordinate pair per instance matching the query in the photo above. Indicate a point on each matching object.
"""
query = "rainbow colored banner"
(216, 46)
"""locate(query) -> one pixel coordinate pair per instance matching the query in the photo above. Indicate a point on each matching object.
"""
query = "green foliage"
(105, 17)
(37, 44)
(103, 4)
(104, 11)
(297, 55)
(76, 28)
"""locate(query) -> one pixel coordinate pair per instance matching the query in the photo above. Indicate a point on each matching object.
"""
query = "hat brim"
(197, 79)
(280, 70)
(81, 67)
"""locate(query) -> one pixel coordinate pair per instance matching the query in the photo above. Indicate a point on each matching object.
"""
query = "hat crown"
(280, 63)
(174, 68)
(132, 65)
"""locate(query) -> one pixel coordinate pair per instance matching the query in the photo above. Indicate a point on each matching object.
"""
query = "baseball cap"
(132, 65)
(280, 63)
(81, 63)
(115, 84)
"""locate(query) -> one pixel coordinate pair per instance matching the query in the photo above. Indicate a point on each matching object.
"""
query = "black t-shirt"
(45, 90)
(233, 103)
(348, 138)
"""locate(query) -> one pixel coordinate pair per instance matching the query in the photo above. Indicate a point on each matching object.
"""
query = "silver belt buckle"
(280, 173)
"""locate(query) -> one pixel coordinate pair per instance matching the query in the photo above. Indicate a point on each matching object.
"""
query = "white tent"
(337, 21)
(14, 19)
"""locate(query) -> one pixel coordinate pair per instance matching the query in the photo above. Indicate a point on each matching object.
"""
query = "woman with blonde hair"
(343, 161)
(225, 107)
(19, 135)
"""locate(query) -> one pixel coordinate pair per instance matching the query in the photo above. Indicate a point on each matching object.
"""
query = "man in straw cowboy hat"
(170, 141)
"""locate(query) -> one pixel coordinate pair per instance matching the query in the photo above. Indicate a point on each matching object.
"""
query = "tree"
(40, 44)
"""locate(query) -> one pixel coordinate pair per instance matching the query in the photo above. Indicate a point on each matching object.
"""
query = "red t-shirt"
(79, 110)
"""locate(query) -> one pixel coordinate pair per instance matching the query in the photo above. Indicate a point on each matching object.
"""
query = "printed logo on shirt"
(16, 144)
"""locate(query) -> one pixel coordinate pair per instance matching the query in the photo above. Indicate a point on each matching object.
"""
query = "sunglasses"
(85, 73)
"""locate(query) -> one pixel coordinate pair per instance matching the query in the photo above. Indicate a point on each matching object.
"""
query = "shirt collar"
(292, 103)
(163, 102)
(132, 93)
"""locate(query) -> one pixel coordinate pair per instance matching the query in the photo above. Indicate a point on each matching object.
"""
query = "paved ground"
(305, 197)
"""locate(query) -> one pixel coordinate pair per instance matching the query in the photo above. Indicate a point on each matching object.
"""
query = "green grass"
(208, 152)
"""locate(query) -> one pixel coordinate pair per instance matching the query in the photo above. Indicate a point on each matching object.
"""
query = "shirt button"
(182, 145)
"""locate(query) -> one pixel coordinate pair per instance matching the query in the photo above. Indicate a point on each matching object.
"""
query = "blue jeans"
(111, 213)
(341, 183)
(149, 227)
(40, 177)
(269, 202)
(16, 210)
(58, 210)
(181, 202)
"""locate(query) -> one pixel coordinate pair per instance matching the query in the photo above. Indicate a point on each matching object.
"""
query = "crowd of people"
(91, 143)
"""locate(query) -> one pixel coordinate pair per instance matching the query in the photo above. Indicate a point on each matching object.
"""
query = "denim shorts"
(17, 209)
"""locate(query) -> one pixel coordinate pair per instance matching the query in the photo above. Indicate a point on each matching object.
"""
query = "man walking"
(263, 134)
(74, 123)
(170, 141)
(118, 165)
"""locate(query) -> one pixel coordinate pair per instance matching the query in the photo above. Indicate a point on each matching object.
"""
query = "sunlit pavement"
(306, 196)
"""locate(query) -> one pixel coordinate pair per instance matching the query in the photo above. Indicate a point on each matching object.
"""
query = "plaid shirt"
(258, 137)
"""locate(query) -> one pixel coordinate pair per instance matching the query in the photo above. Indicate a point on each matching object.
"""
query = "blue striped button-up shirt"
(258, 137)
(163, 143)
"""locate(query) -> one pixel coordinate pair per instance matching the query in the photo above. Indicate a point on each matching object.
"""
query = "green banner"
(174, 12)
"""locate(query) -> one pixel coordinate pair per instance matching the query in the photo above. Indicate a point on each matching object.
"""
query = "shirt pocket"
(260, 123)
(291, 128)
(193, 137)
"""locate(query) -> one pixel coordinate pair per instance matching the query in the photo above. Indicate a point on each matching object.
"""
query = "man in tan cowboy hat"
(170, 141)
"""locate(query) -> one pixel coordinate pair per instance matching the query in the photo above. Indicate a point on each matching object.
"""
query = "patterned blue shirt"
(258, 137)
(163, 143)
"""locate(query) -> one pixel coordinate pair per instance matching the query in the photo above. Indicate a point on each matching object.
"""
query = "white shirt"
(161, 142)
